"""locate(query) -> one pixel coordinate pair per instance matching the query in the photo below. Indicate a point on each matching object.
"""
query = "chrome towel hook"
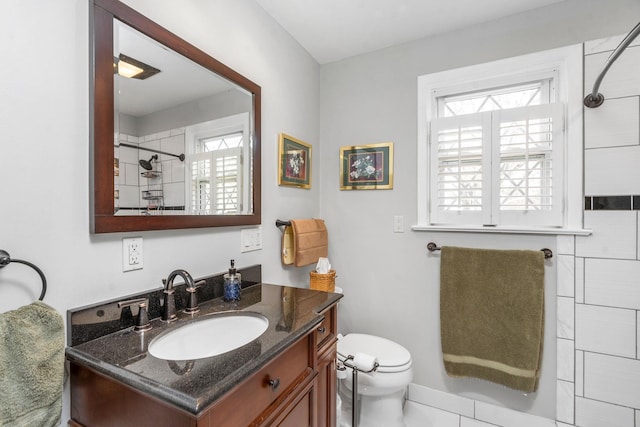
(5, 259)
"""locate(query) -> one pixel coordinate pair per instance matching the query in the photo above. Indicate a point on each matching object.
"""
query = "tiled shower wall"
(607, 263)
(130, 183)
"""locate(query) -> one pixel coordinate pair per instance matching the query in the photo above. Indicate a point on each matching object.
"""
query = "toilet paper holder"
(342, 366)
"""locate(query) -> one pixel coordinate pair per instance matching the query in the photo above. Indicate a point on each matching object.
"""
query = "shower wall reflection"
(143, 191)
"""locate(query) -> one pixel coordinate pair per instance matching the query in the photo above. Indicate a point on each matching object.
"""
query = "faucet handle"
(192, 303)
(142, 322)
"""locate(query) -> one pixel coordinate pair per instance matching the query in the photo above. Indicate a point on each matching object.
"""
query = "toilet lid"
(391, 356)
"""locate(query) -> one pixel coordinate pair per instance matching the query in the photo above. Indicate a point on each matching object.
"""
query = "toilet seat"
(391, 356)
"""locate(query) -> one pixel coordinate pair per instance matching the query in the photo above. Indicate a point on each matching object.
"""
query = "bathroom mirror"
(176, 133)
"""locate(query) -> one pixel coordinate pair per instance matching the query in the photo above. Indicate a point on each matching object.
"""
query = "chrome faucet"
(169, 312)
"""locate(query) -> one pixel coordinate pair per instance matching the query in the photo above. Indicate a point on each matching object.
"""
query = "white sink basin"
(211, 336)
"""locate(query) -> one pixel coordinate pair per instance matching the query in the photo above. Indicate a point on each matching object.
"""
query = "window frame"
(565, 66)
(212, 129)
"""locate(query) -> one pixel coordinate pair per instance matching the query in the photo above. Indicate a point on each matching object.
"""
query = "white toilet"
(381, 392)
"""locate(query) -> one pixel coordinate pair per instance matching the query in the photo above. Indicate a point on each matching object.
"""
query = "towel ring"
(5, 259)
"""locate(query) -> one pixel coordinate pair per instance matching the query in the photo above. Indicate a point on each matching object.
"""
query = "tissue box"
(323, 282)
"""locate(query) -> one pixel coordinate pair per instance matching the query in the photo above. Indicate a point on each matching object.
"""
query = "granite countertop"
(194, 385)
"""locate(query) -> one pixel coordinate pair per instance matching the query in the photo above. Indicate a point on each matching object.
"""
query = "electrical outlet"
(132, 254)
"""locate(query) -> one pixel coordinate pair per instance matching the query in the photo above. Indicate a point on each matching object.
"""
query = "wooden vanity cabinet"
(295, 389)
(326, 381)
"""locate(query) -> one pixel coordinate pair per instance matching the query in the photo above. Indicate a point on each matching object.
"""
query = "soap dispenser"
(232, 284)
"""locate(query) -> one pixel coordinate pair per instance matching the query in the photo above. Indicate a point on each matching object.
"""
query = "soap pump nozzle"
(232, 269)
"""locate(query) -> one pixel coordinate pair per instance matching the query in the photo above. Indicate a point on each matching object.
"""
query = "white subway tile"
(638, 337)
(565, 361)
(612, 283)
(565, 321)
(177, 131)
(623, 79)
(606, 330)
(566, 275)
(128, 155)
(612, 379)
(599, 164)
(129, 196)
(579, 373)
(606, 44)
(173, 144)
(507, 417)
(468, 422)
(174, 194)
(441, 400)
(149, 138)
(417, 415)
(579, 284)
(615, 123)
(131, 173)
(177, 171)
(614, 234)
(151, 143)
(564, 401)
(566, 245)
(163, 134)
(591, 413)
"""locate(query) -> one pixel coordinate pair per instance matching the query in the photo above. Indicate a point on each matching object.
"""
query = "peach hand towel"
(310, 241)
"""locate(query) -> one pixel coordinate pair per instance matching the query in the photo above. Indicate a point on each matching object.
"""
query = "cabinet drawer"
(252, 399)
(326, 331)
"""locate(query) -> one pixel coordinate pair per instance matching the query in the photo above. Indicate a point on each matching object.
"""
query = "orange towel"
(310, 241)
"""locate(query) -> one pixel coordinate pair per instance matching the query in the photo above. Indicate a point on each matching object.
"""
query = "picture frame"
(367, 167)
(294, 162)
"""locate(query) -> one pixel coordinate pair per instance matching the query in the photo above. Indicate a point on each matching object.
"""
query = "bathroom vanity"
(285, 377)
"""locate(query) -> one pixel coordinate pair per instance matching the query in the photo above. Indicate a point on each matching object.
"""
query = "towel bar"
(548, 253)
(281, 223)
(5, 259)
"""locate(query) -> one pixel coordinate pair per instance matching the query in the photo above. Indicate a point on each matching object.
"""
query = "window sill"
(502, 230)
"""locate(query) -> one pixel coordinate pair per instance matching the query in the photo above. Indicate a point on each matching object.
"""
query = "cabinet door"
(301, 412)
(326, 388)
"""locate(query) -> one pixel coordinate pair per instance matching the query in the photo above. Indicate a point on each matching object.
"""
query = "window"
(216, 176)
(493, 145)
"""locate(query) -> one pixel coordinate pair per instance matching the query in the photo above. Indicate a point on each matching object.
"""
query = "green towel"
(492, 315)
(31, 366)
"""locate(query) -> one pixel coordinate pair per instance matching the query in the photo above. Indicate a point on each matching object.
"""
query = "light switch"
(398, 224)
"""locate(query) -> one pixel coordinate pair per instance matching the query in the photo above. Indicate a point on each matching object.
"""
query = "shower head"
(146, 164)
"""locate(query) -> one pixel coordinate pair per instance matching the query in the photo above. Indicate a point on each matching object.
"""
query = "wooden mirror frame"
(103, 219)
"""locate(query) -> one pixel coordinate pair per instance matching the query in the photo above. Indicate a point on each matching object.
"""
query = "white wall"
(390, 281)
(44, 149)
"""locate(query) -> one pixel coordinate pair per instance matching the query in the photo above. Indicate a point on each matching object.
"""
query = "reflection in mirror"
(181, 143)
(181, 136)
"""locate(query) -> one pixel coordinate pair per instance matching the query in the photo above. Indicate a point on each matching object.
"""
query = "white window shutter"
(528, 149)
(460, 160)
(201, 177)
(228, 180)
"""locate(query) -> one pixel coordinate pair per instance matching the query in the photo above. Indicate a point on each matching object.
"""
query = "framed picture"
(294, 162)
(367, 167)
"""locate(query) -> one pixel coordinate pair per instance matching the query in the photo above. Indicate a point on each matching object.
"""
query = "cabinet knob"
(322, 329)
(274, 384)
